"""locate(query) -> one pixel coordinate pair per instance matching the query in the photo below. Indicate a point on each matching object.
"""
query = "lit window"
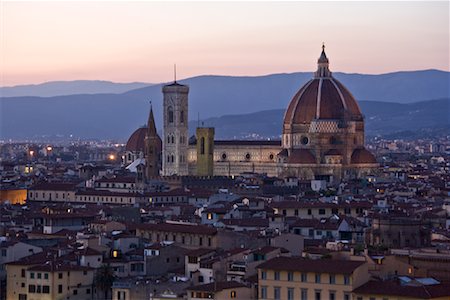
(233, 294)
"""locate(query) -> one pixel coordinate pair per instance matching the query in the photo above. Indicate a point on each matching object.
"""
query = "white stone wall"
(175, 131)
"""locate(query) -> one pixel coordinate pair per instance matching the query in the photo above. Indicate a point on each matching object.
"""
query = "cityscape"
(329, 182)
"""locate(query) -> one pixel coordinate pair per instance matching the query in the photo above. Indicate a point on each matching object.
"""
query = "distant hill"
(118, 115)
(381, 118)
(61, 88)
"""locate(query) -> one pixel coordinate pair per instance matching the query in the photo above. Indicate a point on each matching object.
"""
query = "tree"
(104, 279)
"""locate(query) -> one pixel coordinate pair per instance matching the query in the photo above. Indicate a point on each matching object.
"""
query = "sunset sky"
(140, 41)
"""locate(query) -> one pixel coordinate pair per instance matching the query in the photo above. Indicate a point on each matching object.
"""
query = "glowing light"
(115, 253)
(31, 152)
(49, 148)
(112, 157)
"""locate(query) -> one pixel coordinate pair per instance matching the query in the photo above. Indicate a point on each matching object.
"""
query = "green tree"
(104, 279)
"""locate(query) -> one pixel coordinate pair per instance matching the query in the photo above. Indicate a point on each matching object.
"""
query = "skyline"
(141, 41)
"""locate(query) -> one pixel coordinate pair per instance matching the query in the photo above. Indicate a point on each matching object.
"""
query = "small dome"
(301, 156)
(362, 156)
(136, 141)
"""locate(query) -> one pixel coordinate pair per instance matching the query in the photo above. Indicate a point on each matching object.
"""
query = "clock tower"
(175, 134)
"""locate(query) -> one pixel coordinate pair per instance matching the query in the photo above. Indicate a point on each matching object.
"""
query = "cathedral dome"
(136, 141)
(323, 97)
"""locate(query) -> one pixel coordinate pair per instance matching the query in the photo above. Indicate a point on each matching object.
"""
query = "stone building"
(144, 147)
(322, 137)
(399, 232)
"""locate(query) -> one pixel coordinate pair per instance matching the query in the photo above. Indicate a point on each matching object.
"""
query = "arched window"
(202, 145)
(182, 116)
(170, 114)
(173, 139)
(211, 143)
(172, 158)
(168, 139)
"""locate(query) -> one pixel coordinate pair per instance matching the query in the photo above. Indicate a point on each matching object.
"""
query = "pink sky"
(140, 41)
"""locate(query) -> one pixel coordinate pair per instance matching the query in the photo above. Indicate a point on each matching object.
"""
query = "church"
(322, 138)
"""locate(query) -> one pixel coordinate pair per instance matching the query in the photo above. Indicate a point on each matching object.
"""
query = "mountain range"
(387, 100)
(61, 88)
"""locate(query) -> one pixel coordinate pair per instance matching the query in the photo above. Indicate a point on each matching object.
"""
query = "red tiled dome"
(301, 156)
(136, 141)
(323, 97)
(362, 156)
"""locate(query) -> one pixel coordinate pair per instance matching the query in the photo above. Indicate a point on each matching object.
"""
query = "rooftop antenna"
(175, 73)
(150, 101)
(198, 119)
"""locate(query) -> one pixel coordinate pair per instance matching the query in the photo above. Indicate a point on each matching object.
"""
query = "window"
(317, 278)
(22, 284)
(263, 275)
(45, 275)
(38, 289)
(200, 278)
(31, 288)
(3, 252)
(22, 297)
(233, 294)
(75, 292)
(334, 211)
(347, 210)
(170, 114)
(46, 289)
(202, 145)
(332, 295)
(346, 296)
(182, 116)
(317, 295)
(321, 211)
(304, 294)
(121, 295)
(347, 279)
(263, 292)
(60, 275)
(32, 275)
(309, 211)
(276, 275)
(296, 212)
(290, 294)
(88, 291)
(60, 289)
(304, 277)
(200, 241)
(290, 276)
(276, 293)
(332, 279)
(22, 274)
(311, 232)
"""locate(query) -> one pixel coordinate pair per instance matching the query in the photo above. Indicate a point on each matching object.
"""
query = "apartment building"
(292, 278)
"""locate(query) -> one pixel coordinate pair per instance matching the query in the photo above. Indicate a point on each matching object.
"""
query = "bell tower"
(152, 148)
(205, 151)
(175, 131)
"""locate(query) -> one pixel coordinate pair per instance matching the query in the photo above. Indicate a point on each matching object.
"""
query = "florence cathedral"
(322, 138)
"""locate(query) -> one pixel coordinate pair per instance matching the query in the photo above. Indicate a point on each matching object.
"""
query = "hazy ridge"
(118, 115)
